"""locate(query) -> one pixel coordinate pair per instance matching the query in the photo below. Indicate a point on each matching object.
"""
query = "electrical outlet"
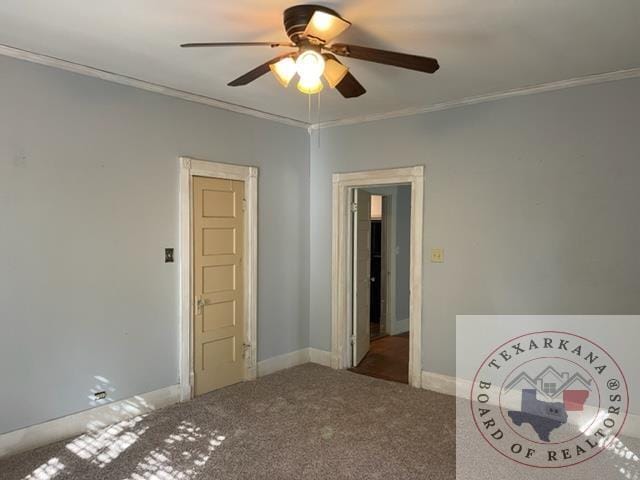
(168, 255)
(100, 395)
(437, 255)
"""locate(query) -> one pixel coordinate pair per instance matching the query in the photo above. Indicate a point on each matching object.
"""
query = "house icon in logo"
(550, 384)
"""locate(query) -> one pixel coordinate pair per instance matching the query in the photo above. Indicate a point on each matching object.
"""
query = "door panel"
(362, 274)
(219, 241)
(218, 223)
(218, 315)
(218, 278)
(218, 352)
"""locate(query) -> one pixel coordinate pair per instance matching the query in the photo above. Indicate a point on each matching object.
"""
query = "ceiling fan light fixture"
(310, 64)
(310, 85)
(325, 26)
(334, 72)
(284, 70)
(310, 29)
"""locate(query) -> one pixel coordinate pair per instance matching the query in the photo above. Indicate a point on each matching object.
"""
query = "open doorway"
(342, 282)
(380, 251)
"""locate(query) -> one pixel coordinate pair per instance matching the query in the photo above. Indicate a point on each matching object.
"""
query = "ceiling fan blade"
(238, 44)
(348, 86)
(325, 26)
(256, 72)
(402, 60)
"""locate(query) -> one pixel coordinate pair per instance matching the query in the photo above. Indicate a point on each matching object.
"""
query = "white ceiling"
(483, 46)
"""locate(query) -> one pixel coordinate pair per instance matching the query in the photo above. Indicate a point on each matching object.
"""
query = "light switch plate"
(437, 255)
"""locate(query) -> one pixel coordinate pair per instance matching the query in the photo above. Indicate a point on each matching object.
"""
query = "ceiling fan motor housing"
(297, 18)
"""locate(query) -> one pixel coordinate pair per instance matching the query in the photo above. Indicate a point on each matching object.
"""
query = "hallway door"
(361, 274)
(218, 328)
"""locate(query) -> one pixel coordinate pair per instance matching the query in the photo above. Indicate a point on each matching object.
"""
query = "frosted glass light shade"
(284, 70)
(334, 72)
(325, 26)
(310, 85)
(310, 64)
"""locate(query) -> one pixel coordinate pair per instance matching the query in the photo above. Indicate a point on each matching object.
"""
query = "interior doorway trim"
(341, 284)
(190, 167)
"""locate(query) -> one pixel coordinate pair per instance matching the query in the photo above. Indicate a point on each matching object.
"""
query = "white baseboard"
(78, 423)
(280, 362)
(449, 385)
(321, 357)
(439, 383)
(292, 359)
(66, 427)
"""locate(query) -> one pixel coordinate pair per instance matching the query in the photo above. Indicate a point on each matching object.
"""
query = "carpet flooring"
(307, 422)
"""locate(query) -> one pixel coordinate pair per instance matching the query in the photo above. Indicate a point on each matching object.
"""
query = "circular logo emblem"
(549, 399)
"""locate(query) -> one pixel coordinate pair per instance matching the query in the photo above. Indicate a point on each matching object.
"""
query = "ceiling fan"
(310, 28)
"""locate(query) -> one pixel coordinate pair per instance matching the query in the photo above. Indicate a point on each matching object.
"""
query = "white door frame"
(190, 167)
(341, 282)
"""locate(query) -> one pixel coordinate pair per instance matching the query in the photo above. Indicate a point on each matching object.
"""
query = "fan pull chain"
(318, 119)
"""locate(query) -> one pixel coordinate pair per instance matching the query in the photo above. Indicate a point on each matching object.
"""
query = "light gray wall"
(89, 201)
(534, 199)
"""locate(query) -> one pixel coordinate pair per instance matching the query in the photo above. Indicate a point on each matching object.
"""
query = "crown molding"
(492, 97)
(81, 69)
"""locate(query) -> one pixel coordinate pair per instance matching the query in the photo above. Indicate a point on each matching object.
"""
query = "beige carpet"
(306, 422)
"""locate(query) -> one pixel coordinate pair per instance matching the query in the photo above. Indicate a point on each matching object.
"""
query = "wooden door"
(361, 274)
(218, 234)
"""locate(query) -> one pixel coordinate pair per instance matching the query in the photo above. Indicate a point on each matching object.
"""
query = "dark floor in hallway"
(388, 358)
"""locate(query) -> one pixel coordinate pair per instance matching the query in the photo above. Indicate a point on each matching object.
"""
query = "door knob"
(200, 303)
